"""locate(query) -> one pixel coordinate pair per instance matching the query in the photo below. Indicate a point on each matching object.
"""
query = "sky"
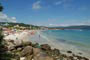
(47, 12)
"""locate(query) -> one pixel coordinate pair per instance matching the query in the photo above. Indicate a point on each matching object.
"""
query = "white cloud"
(36, 5)
(51, 24)
(5, 18)
(14, 18)
(59, 2)
(2, 16)
(64, 3)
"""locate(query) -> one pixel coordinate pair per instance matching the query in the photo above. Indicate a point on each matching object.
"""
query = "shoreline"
(32, 35)
(59, 45)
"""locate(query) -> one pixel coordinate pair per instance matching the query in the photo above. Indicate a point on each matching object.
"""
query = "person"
(32, 33)
(39, 36)
(16, 38)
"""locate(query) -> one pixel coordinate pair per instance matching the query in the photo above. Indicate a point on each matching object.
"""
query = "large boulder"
(38, 54)
(22, 58)
(36, 45)
(56, 52)
(45, 47)
(30, 57)
(42, 56)
(69, 51)
(36, 51)
(28, 50)
(10, 45)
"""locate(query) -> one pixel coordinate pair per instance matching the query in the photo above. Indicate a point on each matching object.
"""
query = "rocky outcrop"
(69, 51)
(45, 47)
(36, 51)
(30, 51)
(42, 56)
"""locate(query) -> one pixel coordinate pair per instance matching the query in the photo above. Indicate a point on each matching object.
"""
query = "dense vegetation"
(72, 27)
(4, 55)
(12, 25)
(1, 8)
(3, 50)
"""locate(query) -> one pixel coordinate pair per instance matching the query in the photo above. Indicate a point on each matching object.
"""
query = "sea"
(77, 41)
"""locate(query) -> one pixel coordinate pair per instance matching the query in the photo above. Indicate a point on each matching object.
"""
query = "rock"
(22, 58)
(28, 50)
(18, 46)
(36, 45)
(17, 54)
(75, 58)
(3, 48)
(80, 53)
(36, 51)
(12, 41)
(42, 56)
(29, 57)
(27, 43)
(45, 47)
(17, 42)
(85, 58)
(9, 45)
(64, 55)
(79, 57)
(19, 49)
(10, 48)
(13, 59)
(63, 59)
(69, 51)
(71, 57)
(56, 52)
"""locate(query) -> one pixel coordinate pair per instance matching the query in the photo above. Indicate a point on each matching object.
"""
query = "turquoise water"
(77, 38)
(77, 41)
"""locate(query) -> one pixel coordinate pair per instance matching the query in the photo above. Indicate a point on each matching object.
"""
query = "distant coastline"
(69, 27)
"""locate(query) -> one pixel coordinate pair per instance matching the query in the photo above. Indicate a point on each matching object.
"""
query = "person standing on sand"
(39, 36)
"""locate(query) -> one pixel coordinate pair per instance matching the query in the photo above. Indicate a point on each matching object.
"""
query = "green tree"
(3, 50)
(1, 8)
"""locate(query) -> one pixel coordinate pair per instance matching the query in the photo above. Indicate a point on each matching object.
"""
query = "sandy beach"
(18, 37)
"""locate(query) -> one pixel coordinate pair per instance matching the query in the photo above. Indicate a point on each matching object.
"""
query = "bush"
(3, 50)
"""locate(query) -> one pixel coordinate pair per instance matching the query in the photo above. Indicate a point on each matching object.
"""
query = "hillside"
(71, 27)
(18, 25)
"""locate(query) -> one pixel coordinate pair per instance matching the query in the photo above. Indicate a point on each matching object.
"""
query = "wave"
(55, 40)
